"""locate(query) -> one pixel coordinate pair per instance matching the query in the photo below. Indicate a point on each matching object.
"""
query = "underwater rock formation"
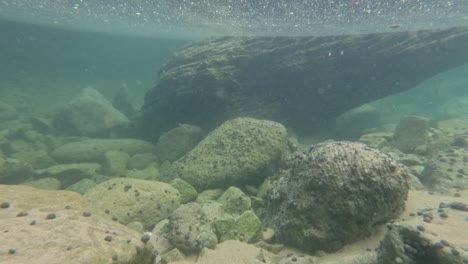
(242, 150)
(333, 195)
(297, 81)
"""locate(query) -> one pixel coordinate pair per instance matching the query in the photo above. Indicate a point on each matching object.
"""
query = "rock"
(352, 124)
(417, 241)
(115, 163)
(411, 132)
(248, 227)
(333, 195)
(209, 196)
(7, 112)
(377, 140)
(142, 161)
(189, 229)
(131, 200)
(89, 114)
(172, 256)
(93, 150)
(151, 173)
(14, 171)
(37, 159)
(234, 201)
(122, 101)
(45, 184)
(82, 186)
(240, 151)
(454, 126)
(178, 141)
(285, 80)
(69, 238)
(69, 174)
(447, 171)
(187, 192)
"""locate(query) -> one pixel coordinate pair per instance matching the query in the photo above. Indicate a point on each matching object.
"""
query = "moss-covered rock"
(38, 159)
(187, 192)
(247, 227)
(172, 255)
(240, 151)
(69, 174)
(151, 172)
(45, 184)
(178, 141)
(135, 200)
(115, 163)
(209, 196)
(82, 186)
(141, 161)
(234, 201)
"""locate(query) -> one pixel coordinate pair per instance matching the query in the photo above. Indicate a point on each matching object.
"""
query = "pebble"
(459, 206)
(108, 238)
(33, 222)
(443, 215)
(146, 237)
(5, 205)
(127, 187)
(21, 214)
(115, 257)
(421, 228)
(51, 216)
(69, 248)
(86, 214)
(12, 251)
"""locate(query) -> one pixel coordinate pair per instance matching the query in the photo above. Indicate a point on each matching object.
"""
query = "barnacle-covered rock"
(334, 194)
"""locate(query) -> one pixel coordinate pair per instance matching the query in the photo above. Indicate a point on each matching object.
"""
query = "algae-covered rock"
(141, 160)
(234, 201)
(89, 114)
(69, 174)
(70, 237)
(189, 229)
(14, 171)
(242, 150)
(151, 172)
(446, 171)
(45, 184)
(187, 192)
(92, 150)
(333, 194)
(82, 186)
(39, 159)
(411, 133)
(131, 200)
(178, 141)
(172, 255)
(115, 163)
(247, 227)
(209, 196)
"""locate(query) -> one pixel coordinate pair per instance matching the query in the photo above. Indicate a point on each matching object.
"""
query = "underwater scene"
(234, 132)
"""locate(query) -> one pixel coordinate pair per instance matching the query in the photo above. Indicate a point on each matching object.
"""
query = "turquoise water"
(52, 51)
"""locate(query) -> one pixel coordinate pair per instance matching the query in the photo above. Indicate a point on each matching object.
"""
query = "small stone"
(51, 216)
(69, 247)
(68, 207)
(33, 222)
(294, 258)
(127, 187)
(86, 214)
(443, 215)
(115, 257)
(421, 228)
(457, 194)
(21, 214)
(115, 218)
(146, 237)
(439, 245)
(455, 252)
(12, 251)
(108, 238)
(5, 205)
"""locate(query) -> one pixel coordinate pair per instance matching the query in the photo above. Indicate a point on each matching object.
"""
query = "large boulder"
(93, 150)
(297, 81)
(334, 194)
(129, 200)
(239, 151)
(78, 234)
(89, 114)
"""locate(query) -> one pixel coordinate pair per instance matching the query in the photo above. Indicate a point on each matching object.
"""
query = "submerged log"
(297, 81)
